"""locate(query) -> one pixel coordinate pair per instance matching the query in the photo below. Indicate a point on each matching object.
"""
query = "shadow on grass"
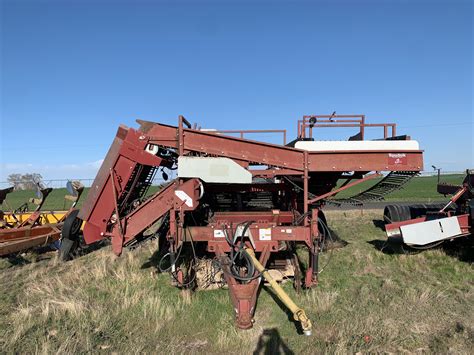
(460, 248)
(154, 260)
(283, 308)
(379, 223)
(270, 342)
(17, 260)
(387, 247)
(159, 254)
(396, 247)
(85, 249)
(50, 251)
(336, 241)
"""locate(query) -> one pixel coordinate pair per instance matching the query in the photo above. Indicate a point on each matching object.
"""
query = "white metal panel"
(430, 231)
(265, 234)
(327, 146)
(183, 196)
(216, 170)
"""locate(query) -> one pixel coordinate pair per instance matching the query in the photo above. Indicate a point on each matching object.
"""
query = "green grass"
(419, 189)
(367, 301)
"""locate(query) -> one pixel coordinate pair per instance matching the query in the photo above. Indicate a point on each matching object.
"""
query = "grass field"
(419, 189)
(367, 300)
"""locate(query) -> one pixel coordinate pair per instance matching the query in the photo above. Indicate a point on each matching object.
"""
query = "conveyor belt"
(390, 183)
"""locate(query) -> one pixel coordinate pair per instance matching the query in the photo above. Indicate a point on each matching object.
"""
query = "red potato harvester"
(247, 203)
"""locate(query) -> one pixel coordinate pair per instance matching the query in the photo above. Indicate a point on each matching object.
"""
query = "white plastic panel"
(216, 170)
(430, 231)
(328, 146)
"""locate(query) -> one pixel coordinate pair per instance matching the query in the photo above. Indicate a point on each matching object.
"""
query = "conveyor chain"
(390, 183)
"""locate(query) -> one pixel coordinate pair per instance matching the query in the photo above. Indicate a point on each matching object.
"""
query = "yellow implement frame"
(46, 217)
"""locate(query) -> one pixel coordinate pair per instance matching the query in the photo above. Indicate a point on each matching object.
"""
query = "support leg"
(311, 278)
(243, 295)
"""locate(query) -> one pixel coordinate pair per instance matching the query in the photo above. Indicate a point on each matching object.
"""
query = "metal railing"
(242, 133)
(309, 122)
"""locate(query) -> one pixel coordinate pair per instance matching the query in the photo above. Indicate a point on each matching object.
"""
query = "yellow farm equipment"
(20, 231)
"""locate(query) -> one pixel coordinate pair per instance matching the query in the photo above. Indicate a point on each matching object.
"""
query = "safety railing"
(242, 133)
(310, 122)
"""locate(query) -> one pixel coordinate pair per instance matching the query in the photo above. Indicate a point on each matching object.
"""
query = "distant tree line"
(25, 181)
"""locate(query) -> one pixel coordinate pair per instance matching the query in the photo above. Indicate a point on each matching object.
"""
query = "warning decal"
(265, 234)
(219, 233)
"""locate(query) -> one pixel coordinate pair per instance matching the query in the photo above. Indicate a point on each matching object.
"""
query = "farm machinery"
(427, 226)
(244, 203)
(21, 216)
(21, 230)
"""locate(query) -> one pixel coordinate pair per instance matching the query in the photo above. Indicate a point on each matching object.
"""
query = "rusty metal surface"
(23, 238)
(103, 174)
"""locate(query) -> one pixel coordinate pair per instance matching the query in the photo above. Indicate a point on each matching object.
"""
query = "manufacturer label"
(397, 159)
(265, 234)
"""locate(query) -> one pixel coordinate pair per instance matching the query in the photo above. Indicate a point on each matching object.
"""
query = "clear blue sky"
(72, 71)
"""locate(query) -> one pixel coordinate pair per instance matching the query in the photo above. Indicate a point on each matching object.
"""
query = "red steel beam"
(226, 146)
(278, 234)
(277, 155)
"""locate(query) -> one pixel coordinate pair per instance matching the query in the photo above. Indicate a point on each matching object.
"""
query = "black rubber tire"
(70, 236)
(396, 213)
(420, 210)
(404, 212)
(390, 214)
